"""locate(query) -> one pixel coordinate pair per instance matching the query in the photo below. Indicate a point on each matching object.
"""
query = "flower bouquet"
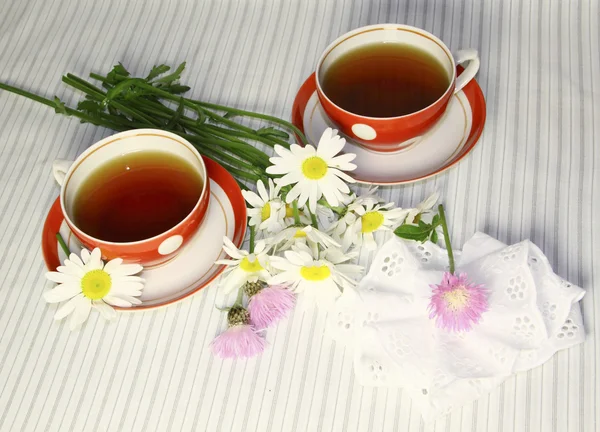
(306, 229)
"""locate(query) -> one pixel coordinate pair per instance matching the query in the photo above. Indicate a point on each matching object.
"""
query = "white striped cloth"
(535, 174)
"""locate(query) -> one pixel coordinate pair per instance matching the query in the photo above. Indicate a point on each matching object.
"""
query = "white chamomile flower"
(314, 172)
(267, 211)
(319, 279)
(244, 266)
(366, 198)
(372, 218)
(308, 235)
(340, 229)
(422, 207)
(88, 283)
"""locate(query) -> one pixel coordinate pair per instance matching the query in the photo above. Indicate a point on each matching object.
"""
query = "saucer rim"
(472, 92)
(215, 172)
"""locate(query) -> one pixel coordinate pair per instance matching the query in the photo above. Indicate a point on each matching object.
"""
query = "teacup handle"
(60, 167)
(463, 56)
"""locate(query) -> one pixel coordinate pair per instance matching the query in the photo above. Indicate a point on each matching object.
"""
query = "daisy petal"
(85, 255)
(127, 288)
(315, 194)
(136, 279)
(67, 308)
(72, 268)
(253, 199)
(76, 260)
(61, 277)
(304, 192)
(277, 168)
(105, 310)
(342, 175)
(337, 183)
(126, 270)
(262, 191)
(95, 260)
(330, 144)
(289, 178)
(273, 190)
(342, 160)
(369, 241)
(130, 299)
(62, 292)
(329, 194)
(81, 312)
(234, 280)
(282, 151)
(112, 265)
(293, 194)
(116, 301)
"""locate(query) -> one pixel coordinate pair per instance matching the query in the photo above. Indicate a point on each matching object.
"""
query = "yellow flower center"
(315, 273)
(250, 266)
(371, 221)
(314, 168)
(289, 211)
(456, 299)
(96, 284)
(265, 212)
(300, 234)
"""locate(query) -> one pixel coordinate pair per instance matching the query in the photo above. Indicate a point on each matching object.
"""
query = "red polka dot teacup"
(157, 249)
(390, 134)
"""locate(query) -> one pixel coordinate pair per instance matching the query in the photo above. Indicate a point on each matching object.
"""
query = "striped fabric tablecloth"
(534, 174)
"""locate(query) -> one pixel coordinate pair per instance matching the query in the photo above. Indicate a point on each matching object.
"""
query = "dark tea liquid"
(385, 80)
(137, 196)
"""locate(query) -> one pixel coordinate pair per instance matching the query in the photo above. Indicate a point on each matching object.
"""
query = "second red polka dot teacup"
(386, 85)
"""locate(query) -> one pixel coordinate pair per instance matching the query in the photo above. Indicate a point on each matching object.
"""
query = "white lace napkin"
(532, 314)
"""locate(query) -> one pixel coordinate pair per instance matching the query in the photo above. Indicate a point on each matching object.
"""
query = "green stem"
(63, 245)
(70, 111)
(313, 218)
(255, 115)
(296, 212)
(446, 237)
(252, 238)
(340, 210)
(84, 86)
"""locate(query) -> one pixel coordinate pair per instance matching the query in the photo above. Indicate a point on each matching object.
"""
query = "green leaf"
(118, 73)
(157, 70)
(168, 79)
(229, 115)
(89, 106)
(436, 220)
(177, 89)
(434, 236)
(201, 116)
(124, 87)
(177, 115)
(59, 106)
(413, 232)
(424, 225)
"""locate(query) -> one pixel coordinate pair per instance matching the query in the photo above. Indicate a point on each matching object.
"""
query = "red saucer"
(444, 146)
